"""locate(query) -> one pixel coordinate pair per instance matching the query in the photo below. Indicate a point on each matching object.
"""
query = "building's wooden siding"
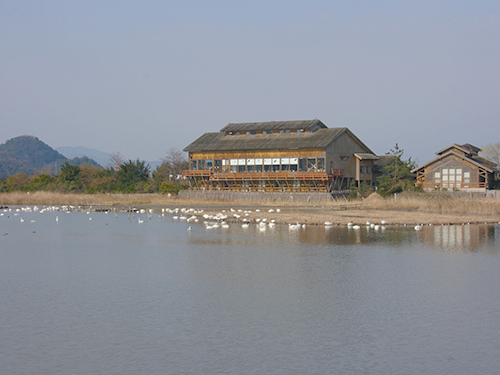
(476, 175)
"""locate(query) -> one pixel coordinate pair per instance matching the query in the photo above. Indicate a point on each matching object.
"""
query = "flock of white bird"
(245, 218)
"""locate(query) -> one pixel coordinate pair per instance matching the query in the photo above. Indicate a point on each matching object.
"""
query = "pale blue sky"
(142, 77)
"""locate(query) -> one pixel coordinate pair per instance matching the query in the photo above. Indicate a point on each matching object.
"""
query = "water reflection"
(447, 237)
(462, 237)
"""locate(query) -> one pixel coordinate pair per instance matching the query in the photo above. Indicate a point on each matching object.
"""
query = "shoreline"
(374, 210)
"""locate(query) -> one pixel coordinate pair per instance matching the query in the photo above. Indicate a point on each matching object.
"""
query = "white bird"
(328, 223)
(22, 220)
(189, 228)
(418, 227)
(244, 225)
(383, 222)
(57, 218)
(140, 221)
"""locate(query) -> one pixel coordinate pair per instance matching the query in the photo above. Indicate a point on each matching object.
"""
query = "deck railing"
(451, 186)
(281, 175)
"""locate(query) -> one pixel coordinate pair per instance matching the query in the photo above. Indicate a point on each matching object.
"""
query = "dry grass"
(436, 203)
(409, 209)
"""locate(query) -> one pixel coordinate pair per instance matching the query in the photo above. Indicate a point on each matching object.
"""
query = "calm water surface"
(111, 295)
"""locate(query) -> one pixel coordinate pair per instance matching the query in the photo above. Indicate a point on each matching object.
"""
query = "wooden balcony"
(265, 176)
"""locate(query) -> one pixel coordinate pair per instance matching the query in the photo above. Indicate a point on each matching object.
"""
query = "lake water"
(111, 295)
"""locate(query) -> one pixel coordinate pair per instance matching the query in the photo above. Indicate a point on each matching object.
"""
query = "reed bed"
(436, 203)
(432, 204)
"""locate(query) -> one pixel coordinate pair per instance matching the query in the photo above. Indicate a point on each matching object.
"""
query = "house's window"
(287, 131)
(250, 165)
(268, 165)
(193, 164)
(237, 133)
(321, 164)
(281, 131)
(217, 165)
(362, 169)
(247, 132)
(311, 164)
(258, 165)
(437, 177)
(264, 132)
(294, 164)
(209, 164)
(344, 158)
(201, 165)
(225, 165)
(241, 165)
(285, 164)
(254, 132)
(451, 175)
(270, 132)
(233, 164)
(276, 165)
(466, 177)
(302, 164)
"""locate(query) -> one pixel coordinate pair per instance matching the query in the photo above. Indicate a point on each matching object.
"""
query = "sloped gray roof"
(221, 142)
(273, 125)
(476, 160)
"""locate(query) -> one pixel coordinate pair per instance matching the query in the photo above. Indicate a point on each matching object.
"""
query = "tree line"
(120, 176)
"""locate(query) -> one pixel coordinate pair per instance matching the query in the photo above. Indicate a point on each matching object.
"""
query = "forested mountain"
(27, 154)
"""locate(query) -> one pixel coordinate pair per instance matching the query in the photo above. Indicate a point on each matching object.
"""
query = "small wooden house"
(278, 156)
(457, 167)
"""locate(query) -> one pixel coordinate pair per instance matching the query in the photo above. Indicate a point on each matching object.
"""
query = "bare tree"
(176, 161)
(115, 160)
(491, 152)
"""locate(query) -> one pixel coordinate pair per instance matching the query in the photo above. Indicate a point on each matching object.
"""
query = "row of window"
(451, 176)
(264, 132)
(260, 165)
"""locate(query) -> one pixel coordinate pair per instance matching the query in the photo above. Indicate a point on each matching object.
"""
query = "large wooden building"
(279, 156)
(457, 167)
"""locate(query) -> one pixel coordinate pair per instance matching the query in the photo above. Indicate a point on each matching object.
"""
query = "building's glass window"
(287, 131)
(285, 164)
(247, 133)
(250, 165)
(268, 165)
(237, 133)
(321, 164)
(294, 164)
(264, 132)
(254, 132)
(208, 164)
(233, 164)
(302, 164)
(437, 177)
(217, 165)
(193, 164)
(276, 165)
(241, 165)
(270, 132)
(466, 177)
(258, 165)
(311, 164)
(281, 131)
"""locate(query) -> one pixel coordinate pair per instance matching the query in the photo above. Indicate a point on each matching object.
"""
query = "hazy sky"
(140, 77)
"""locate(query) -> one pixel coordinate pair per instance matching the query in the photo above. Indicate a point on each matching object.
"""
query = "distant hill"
(27, 154)
(103, 158)
(78, 152)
